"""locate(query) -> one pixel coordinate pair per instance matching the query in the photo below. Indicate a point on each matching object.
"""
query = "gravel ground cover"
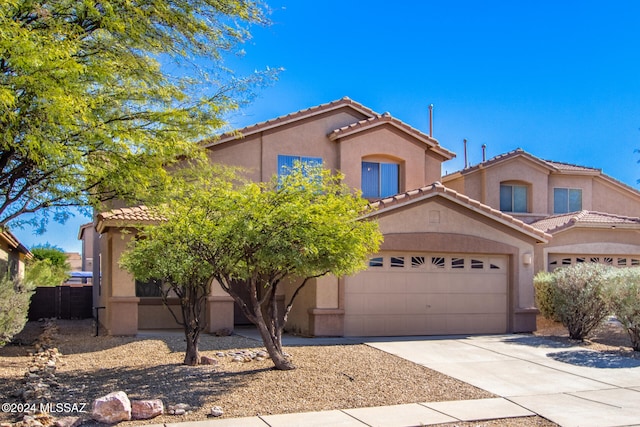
(328, 377)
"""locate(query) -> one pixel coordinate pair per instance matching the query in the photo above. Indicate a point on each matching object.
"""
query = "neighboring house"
(451, 262)
(591, 216)
(13, 255)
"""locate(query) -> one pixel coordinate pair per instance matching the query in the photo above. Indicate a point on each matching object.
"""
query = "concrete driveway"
(566, 384)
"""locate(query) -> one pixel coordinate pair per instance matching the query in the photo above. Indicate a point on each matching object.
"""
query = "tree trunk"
(192, 355)
(270, 333)
(278, 358)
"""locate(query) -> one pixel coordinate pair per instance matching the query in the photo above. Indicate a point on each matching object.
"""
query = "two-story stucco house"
(591, 216)
(454, 260)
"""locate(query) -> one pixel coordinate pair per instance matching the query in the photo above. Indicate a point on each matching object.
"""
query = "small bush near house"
(14, 306)
(622, 296)
(577, 297)
(543, 283)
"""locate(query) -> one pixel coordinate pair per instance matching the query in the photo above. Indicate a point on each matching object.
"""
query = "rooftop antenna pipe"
(466, 163)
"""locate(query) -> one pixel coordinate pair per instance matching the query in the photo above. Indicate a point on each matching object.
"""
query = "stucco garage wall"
(586, 241)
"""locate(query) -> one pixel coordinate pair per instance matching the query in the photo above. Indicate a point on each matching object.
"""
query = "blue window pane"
(519, 198)
(287, 163)
(575, 200)
(560, 200)
(506, 198)
(389, 179)
(370, 179)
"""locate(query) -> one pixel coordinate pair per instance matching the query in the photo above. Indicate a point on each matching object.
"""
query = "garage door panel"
(477, 303)
(433, 298)
(475, 324)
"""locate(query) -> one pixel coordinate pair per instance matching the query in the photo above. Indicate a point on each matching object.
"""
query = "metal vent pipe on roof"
(431, 120)
(466, 163)
(484, 153)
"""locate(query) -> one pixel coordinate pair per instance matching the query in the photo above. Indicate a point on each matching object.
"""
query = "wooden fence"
(62, 302)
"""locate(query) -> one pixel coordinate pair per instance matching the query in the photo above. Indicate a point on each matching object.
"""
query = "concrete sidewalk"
(568, 385)
(414, 414)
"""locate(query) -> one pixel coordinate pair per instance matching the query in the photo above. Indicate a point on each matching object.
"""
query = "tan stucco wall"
(584, 183)
(613, 199)
(386, 143)
(258, 153)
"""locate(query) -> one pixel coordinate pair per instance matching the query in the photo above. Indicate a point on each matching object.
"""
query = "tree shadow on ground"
(595, 359)
(538, 341)
(172, 383)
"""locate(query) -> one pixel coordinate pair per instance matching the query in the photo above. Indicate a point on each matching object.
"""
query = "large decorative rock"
(112, 408)
(206, 360)
(145, 409)
(216, 411)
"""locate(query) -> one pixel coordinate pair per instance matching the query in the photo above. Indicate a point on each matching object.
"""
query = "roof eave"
(475, 206)
(288, 119)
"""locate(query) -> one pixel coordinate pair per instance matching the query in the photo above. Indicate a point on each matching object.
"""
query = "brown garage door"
(427, 294)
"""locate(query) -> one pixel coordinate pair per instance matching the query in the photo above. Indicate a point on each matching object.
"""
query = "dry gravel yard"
(328, 377)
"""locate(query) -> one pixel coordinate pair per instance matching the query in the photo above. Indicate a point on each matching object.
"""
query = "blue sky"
(560, 79)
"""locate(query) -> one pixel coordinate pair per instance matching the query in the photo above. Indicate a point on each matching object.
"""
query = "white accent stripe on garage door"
(427, 294)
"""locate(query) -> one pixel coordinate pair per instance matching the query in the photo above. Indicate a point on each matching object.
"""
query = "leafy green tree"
(257, 236)
(162, 255)
(97, 98)
(53, 253)
(49, 266)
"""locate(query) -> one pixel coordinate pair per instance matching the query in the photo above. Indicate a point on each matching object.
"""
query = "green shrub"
(622, 296)
(577, 297)
(543, 283)
(14, 307)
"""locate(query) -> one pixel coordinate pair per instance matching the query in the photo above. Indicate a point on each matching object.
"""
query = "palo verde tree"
(161, 254)
(97, 97)
(257, 236)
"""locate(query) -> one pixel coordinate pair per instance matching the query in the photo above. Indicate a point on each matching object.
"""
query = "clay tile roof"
(549, 164)
(585, 218)
(570, 167)
(126, 217)
(438, 189)
(386, 118)
(288, 118)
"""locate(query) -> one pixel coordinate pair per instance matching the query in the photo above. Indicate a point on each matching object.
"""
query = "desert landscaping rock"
(217, 411)
(112, 408)
(206, 360)
(146, 409)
